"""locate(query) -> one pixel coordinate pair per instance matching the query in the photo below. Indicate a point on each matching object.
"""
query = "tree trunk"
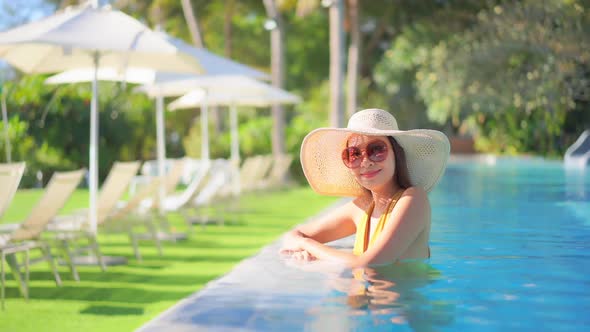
(376, 37)
(336, 63)
(228, 28)
(191, 21)
(219, 121)
(278, 75)
(353, 57)
(193, 25)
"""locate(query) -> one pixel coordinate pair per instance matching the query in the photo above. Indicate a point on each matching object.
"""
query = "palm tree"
(191, 21)
(193, 25)
(336, 63)
(227, 27)
(277, 60)
(336, 12)
(353, 57)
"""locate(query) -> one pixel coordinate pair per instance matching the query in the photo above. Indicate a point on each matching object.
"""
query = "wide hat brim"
(426, 151)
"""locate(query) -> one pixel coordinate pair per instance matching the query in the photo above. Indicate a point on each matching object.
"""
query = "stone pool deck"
(265, 292)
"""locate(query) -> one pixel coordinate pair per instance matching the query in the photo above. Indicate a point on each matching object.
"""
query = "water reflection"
(383, 297)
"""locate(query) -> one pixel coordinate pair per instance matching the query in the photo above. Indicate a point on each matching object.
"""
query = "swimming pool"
(510, 251)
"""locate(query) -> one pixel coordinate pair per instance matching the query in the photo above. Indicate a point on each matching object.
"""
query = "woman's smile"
(370, 174)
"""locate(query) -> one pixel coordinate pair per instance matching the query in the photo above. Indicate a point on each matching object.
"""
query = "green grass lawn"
(125, 297)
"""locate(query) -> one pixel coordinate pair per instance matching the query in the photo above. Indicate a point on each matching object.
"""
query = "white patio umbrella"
(233, 93)
(215, 68)
(212, 65)
(91, 37)
(219, 86)
(135, 75)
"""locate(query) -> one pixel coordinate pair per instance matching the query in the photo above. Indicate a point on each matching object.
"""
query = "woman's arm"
(408, 219)
(335, 225)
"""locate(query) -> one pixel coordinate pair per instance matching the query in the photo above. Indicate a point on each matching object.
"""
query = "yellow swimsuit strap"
(363, 229)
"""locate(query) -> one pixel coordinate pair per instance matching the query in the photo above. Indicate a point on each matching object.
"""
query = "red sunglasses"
(376, 151)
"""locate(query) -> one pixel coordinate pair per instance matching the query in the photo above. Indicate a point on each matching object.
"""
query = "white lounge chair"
(152, 205)
(69, 230)
(211, 177)
(200, 170)
(26, 236)
(257, 173)
(128, 217)
(10, 176)
(278, 174)
(253, 170)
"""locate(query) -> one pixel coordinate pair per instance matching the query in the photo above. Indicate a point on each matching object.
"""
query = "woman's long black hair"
(401, 166)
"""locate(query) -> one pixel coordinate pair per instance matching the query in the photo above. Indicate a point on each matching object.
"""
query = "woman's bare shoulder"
(418, 192)
(414, 202)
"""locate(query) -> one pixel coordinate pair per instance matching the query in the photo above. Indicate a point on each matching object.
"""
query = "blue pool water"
(512, 242)
(510, 248)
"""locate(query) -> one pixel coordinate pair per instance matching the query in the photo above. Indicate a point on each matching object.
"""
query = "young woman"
(389, 172)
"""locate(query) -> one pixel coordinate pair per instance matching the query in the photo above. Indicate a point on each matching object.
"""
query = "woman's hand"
(292, 242)
(293, 246)
(300, 255)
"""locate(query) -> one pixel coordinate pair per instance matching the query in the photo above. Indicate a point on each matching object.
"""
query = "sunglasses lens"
(377, 151)
(352, 157)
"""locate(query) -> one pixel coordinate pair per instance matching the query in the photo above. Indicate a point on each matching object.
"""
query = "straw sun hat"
(426, 153)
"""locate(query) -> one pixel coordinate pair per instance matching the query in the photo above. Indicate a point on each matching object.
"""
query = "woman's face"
(371, 161)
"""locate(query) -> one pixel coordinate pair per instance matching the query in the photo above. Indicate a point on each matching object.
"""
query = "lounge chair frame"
(26, 236)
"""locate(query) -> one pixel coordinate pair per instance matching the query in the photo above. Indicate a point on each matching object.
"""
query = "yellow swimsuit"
(361, 243)
(400, 272)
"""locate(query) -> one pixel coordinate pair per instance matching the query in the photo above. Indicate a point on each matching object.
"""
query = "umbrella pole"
(93, 154)
(235, 148)
(204, 130)
(6, 128)
(93, 177)
(161, 150)
(235, 143)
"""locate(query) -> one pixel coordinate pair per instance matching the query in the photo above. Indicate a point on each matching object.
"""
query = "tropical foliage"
(512, 74)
